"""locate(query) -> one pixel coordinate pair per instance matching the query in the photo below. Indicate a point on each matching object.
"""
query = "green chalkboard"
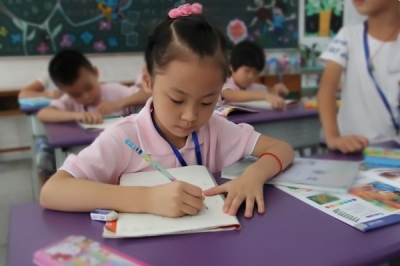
(40, 27)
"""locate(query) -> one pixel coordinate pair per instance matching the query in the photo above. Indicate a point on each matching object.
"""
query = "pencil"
(148, 159)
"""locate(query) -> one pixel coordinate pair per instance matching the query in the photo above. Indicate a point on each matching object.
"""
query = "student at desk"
(41, 87)
(247, 60)
(186, 67)
(368, 55)
(85, 99)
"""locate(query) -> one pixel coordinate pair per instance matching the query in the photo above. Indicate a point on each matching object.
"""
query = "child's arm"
(53, 114)
(138, 98)
(279, 89)
(246, 96)
(328, 112)
(36, 89)
(88, 181)
(248, 188)
(63, 192)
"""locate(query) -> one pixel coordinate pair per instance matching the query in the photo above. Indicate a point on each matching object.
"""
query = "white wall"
(17, 72)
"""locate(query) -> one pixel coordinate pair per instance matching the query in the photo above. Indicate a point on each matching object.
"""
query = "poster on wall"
(273, 24)
(323, 18)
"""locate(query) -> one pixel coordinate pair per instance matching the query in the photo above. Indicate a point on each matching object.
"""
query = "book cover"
(322, 175)
(80, 250)
(370, 204)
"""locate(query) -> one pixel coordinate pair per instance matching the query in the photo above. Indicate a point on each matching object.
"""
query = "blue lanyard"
(378, 88)
(176, 151)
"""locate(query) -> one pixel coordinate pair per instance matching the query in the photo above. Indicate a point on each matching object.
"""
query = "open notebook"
(258, 104)
(142, 225)
(106, 123)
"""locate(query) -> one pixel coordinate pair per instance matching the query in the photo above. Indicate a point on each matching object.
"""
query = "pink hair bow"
(185, 10)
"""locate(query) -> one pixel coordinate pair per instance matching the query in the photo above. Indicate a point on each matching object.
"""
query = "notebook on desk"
(107, 121)
(143, 225)
(259, 104)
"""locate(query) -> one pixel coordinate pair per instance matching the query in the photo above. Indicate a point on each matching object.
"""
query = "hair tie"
(185, 10)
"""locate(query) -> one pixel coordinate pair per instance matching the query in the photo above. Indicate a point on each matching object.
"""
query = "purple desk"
(64, 136)
(29, 110)
(292, 112)
(290, 233)
(296, 125)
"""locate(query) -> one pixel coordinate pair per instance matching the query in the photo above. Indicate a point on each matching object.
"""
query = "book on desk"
(322, 175)
(245, 107)
(372, 200)
(209, 219)
(107, 122)
(34, 102)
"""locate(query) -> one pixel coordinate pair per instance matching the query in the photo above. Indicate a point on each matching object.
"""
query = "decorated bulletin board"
(42, 27)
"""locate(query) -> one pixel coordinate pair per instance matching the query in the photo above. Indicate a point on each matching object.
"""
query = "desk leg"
(35, 170)
(60, 157)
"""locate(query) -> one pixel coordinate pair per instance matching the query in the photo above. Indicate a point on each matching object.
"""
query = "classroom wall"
(350, 17)
(17, 72)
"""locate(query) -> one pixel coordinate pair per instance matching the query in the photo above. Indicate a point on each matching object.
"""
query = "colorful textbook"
(388, 154)
(372, 202)
(209, 219)
(322, 175)
(81, 251)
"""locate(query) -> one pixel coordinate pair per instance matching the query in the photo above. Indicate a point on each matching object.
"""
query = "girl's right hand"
(175, 199)
(89, 118)
(276, 101)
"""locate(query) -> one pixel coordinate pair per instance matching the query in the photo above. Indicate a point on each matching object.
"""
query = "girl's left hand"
(241, 189)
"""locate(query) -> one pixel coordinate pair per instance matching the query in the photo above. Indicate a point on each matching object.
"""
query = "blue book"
(382, 161)
(35, 102)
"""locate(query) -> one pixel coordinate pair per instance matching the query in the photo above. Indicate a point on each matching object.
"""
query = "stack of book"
(382, 155)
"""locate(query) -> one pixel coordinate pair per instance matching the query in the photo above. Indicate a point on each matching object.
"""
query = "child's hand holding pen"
(175, 199)
(89, 118)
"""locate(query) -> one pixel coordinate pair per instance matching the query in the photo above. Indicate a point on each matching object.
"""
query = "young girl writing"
(368, 55)
(186, 67)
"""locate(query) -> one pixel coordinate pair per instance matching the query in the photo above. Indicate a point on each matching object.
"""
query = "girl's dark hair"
(247, 53)
(183, 37)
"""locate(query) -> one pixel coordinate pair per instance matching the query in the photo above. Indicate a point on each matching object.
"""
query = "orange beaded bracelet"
(277, 158)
